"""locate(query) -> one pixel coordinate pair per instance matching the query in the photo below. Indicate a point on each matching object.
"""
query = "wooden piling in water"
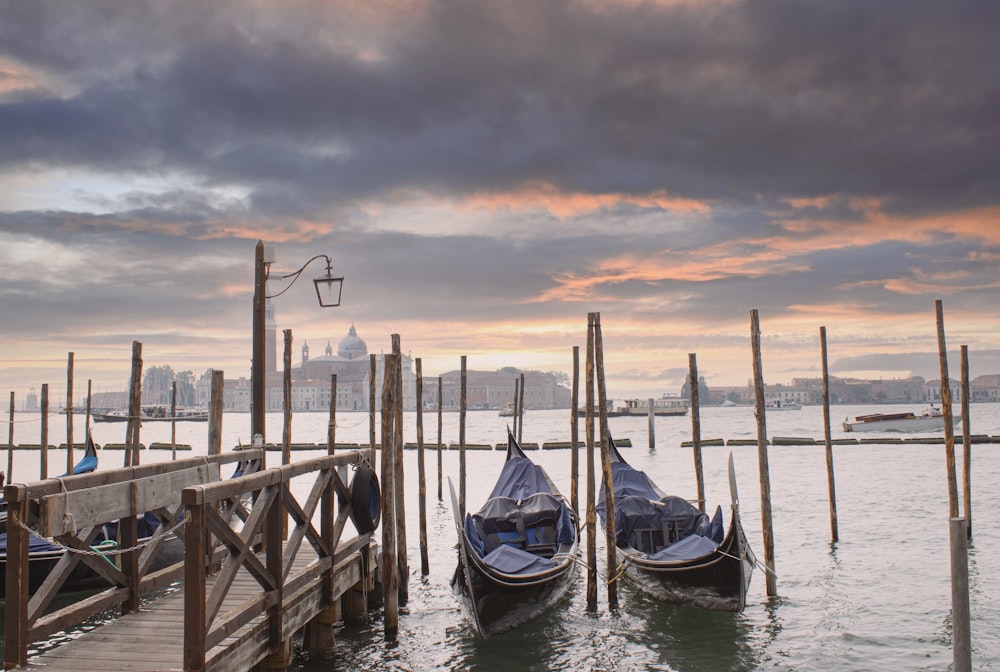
(10, 442)
(425, 567)
(591, 488)
(218, 395)
(43, 452)
(651, 424)
(439, 447)
(520, 413)
(831, 485)
(949, 427)
(134, 408)
(399, 480)
(517, 408)
(331, 427)
(286, 397)
(966, 443)
(574, 436)
(173, 421)
(89, 388)
(372, 373)
(390, 580)
(961, 619)
(699, 469)
(461, 440)
(69, 414)
(609, 494)
(765, 476)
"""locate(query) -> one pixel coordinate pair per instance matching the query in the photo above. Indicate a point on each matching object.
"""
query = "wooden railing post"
(16, 607)
(128, 538)
(273, 534)
(195, 548)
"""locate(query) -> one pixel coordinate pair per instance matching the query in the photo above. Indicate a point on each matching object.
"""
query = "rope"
(757, 563)
(94, 549)
(619, 571)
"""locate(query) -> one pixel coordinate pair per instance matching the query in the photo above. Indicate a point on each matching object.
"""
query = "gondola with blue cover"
(516, 555)
(671, 549)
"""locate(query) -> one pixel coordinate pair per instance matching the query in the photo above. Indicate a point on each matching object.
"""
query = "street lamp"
(328, 291)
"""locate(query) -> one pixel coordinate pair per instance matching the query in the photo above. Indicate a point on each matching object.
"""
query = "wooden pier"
(238, 591)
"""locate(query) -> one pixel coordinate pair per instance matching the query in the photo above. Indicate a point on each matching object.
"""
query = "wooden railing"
(259, 549)
(74, 511)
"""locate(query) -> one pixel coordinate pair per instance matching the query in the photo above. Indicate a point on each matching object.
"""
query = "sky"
(485, 174)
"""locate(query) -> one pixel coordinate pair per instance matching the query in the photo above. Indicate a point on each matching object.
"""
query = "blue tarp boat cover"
(519, 479)
(35, 544)
(509, 560)
(665, 528)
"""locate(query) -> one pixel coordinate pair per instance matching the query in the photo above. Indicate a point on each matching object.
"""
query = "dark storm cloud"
(712, 101)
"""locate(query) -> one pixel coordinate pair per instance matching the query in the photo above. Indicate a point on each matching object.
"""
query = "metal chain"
(117, 551)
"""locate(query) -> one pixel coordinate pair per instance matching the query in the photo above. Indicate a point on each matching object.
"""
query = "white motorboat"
(782, 405)
(929, 420)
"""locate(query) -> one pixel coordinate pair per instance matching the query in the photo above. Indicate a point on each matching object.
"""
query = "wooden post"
(425, 567)
(397, 448)
(134, 408)
(651, 425)
(966, 442)
(331, 427)
(574, 436)
(591, 488)
(16, 603)
(10, 440)
(69, 415)
(390, 580)
(440, 412)
(461, 441)
(949, 427)
(961, 628)
(372, 375)
(520, 413)
(286, 426)
(173, 421)
(89, 387)
(195, 593)
(699, 470)
(128, 538)
(43, 469)
(765, 475)
(215, 412)
(831, 485)
(609, 494)
(517, 401)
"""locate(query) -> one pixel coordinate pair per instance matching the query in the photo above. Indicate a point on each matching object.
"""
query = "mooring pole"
(331, 427)
(949, 427)
(397, 448)
(520, 413)
(215, 404)
(286, 406)
(574, 436)
(609, 494)
(10, 441)
(134, 408)
(517, 408)
(390, 579)
(425, 565)
(173, 419)
(765, 476)
(831, 486)
(699, 470)
(440, 400)
(70, 463)
(591, 488)
(651, 424)
(966, 442)
(43, 453)
(461, 441)
(372, 376)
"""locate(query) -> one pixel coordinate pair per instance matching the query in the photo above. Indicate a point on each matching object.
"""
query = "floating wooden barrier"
(472, 446)
(524, 446)
(792, 441)
(160, 445)
(741, 442)
(704, 442)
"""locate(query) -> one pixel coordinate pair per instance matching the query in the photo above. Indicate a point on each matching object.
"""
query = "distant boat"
(506, 411)
(668, 406)
(929, 420)
(155, 413)
(782, 405)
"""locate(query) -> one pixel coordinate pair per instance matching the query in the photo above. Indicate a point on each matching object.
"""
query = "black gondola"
(516, 555)
(674, 551)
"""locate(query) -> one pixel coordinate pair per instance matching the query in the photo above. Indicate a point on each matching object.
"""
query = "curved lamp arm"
(328, 286)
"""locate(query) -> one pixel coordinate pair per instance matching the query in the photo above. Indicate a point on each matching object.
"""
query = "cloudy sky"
(487, 173)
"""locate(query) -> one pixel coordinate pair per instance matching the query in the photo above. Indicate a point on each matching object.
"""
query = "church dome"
(352, 346)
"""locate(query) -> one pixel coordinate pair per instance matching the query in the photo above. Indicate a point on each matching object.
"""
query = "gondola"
(671, 549)
(517, 554)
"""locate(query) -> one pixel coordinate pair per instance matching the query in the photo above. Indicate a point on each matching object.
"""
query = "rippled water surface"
(877, 600)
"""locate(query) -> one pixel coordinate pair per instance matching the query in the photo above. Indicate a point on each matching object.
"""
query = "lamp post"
(328, 291)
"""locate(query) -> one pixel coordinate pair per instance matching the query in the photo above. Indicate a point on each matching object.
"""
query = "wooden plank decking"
(152, 640)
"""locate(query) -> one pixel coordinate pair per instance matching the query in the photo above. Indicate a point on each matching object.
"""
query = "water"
(877, 600)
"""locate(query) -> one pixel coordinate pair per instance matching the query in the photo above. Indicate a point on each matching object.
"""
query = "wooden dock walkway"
(255, 569)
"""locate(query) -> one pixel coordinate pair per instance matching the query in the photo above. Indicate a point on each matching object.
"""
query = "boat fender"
(366, 500)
